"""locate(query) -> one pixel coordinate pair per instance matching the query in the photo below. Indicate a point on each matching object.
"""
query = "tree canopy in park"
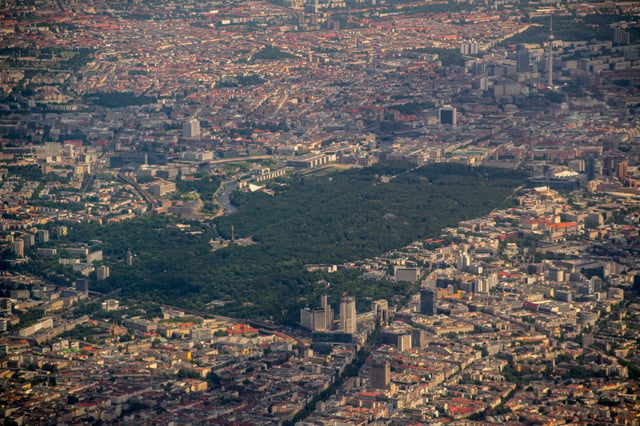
(333, 218)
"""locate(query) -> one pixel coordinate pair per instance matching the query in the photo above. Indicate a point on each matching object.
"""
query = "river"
(223, 198)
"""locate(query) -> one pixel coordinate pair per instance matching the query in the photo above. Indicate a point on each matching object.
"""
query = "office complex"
(427, 301)
(191, 128)
(318, 319)
(380, 375)
(448, 115)
(348, 315)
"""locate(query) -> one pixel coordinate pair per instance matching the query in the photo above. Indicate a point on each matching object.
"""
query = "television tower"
(550, 56)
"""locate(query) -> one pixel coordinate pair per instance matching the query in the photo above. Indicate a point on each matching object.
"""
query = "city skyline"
(319, 212)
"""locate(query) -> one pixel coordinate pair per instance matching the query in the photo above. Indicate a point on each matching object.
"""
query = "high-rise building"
(636, 284)
(102, 272)
(550, 55)
(348, 320)
(29, 240)
(621, 36)
(61, 231)
(17, 247)
(522, 60)
(483, 83)
(318, 319)
(42, 236)
(590, 168)
(448, 115)
(419, 338)
(480, 285)
(463, 261)
(6, 306)
(191, 128)
(380, 375)
(469, 47)
(82, 285)
(427, 301)
(404, 342)
(380, 309)
(623, 169)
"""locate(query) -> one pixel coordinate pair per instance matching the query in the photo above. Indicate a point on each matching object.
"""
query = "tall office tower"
(481, 285)
(427, 301)
(17, 247)
(621, 36)
(448, 115)
(590, 168)
(550, 56)
(61, 231)
(29, 240)
(42, 236)
(191, 128)
(522, 60)
(324, 301)
(463, 261)
(102, 272)
(404, 342)
(380, 309)
(348, 315)
(6, 306)
(380, 375)
(323, 316)
(419, 338)
(82, 285)
(318, 319)
(469, 47)
(483, 83)
(623, 169)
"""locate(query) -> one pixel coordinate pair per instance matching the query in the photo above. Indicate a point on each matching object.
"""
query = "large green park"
(332, 218)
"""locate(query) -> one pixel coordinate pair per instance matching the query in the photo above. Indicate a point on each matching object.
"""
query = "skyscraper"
(522, 60)
(348, 322)
(623, 168)
(621, 36)
(448, 115)
(42, 236)
(17, 247)
(82, 285)
(590, 168)
(380, 375)
(550, 55)
(380, 309)
(191, 128)
(318, 319)
(102, 272)
(427, 301)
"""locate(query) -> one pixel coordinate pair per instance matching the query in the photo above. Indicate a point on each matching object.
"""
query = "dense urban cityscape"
(319, 212)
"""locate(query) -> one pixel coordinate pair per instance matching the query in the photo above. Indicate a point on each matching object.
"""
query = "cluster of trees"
(204, 186)
(242, 80)
(413, 107)
(322, 219)
(271, 53)
(118, 99)
(449, 57)
(571, 28)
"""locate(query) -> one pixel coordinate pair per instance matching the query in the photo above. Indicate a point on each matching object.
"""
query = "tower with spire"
(550, 55)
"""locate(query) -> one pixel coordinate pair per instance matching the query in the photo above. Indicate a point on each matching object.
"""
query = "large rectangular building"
(427, 302)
